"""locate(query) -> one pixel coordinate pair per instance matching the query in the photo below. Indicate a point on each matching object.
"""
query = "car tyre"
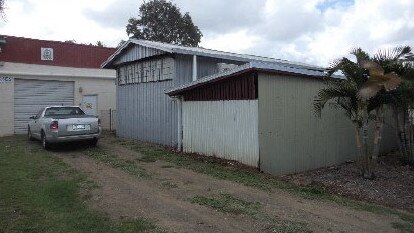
(93, 142)
(45, 143)
(29, 134)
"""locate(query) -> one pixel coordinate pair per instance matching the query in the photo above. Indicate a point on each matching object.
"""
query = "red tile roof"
(26, 50)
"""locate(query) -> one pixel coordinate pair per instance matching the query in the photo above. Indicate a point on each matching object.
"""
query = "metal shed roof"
(264, 66)
(199, 51)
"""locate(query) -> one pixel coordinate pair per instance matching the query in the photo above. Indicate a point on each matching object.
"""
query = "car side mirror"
(32, 117)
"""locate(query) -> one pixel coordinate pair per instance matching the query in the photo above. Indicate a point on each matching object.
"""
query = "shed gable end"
(136, 52)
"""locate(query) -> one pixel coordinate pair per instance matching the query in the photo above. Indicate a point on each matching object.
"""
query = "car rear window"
(64, 111)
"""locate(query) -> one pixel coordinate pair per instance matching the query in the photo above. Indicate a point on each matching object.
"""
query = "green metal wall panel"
(291, 137)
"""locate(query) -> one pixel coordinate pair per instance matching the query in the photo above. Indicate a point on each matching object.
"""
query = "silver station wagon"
(63, 124)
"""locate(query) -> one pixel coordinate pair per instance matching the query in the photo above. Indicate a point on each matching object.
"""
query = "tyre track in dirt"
(123, 196)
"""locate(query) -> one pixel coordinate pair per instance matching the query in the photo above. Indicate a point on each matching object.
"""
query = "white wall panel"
(225, 129)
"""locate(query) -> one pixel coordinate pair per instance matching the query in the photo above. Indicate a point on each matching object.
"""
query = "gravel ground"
(393, 185)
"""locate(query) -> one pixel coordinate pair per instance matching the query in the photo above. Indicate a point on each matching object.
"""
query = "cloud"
(115, 14)
(312, 31)
(218, 16)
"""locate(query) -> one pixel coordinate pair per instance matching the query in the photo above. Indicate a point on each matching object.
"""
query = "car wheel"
(93, 142)
(45, 143)
(29, 134)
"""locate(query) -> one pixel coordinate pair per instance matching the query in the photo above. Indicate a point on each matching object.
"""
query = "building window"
(146, 71)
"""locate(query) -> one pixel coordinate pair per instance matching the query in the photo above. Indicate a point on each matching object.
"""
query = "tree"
(161, 20)
(1, 6)
(400, 60)
(100, 44)
(2, 9)
(73, 41)
(367, 86)
(122, 42)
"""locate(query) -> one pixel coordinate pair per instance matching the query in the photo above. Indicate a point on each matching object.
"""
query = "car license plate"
(79, 127)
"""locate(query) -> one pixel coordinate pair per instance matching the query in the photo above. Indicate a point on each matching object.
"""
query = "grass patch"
(227, 203)
(39, 193)
(125, 165)
(168, 185)
(210, 166)
(286, 226)
(403, 227)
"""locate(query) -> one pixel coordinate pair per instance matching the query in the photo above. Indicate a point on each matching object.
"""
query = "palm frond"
(393, 54)
(340, 92)
(360, 55)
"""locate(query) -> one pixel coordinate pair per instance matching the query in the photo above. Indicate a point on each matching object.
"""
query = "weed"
(168, 185)
(287, 226)
(227, 203)
(126, 165)
(403, 227)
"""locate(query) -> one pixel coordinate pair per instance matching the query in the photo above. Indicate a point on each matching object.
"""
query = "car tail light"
(99, 122)
(54, 126)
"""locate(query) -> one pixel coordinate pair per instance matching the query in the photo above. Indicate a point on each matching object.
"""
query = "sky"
(311, 31)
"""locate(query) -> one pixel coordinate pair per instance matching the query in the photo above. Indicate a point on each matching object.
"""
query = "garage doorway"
(32, 95)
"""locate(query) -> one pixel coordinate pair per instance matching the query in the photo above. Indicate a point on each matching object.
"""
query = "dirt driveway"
(181, 200)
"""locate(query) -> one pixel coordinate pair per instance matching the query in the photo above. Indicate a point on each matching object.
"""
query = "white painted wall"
(100, 82)
(6, 107)
(225, 129)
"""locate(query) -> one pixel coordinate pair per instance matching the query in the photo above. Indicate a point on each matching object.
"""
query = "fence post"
(110, 120)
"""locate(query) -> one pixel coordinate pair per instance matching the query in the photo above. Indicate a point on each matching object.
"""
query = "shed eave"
(190, 86)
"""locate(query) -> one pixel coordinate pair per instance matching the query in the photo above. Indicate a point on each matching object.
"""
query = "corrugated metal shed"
(198, 51)
(28, 51)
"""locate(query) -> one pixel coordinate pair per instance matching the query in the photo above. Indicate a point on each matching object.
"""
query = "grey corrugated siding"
(146, 113)
(137, 52)
(225, 129)
(292, 139)
(183, 69)
(32, 95)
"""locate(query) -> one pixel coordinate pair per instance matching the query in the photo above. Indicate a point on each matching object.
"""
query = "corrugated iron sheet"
(137, 52)
(240, 87)
(292, 138)
(225, 129)
(28, 51)
(144, 112)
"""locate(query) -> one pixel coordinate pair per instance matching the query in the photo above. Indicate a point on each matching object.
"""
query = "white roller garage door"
(32, 95)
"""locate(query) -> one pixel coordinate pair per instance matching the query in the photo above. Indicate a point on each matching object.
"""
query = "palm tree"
(343, 93)
(400, 61)
(365, 88)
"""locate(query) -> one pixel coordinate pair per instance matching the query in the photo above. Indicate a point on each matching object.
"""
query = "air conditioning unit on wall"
(223, 67)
